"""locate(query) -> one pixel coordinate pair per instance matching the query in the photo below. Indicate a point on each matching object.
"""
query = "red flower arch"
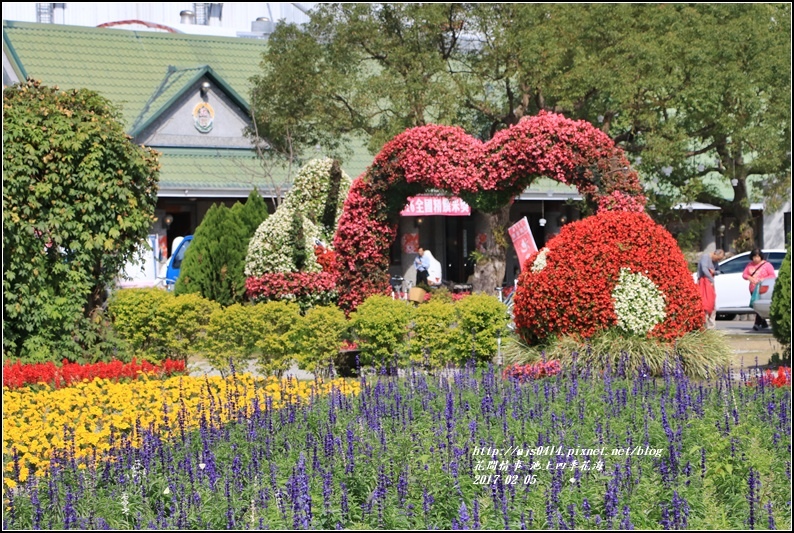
(487, 175)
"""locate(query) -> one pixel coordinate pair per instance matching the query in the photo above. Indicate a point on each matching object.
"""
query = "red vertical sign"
(523, 241)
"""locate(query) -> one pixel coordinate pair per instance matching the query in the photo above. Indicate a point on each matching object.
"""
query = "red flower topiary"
(486, 174)
(572, 293)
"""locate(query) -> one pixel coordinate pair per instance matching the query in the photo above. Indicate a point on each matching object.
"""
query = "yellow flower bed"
(34, 420)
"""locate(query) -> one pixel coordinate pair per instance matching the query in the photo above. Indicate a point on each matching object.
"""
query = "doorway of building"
(181, 226)
(459, 243)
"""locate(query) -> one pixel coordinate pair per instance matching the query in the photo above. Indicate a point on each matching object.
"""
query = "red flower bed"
(16, 375)
(291, 285)
(572, 294)
(781, 379)
(485, 174)
(524, 373)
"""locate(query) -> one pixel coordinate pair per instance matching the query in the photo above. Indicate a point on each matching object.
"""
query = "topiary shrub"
(319, 336)
(380, 326)
(231, 337)
(213, 265)
(310, 211)
(614, 276)
(276, 326)
(180, 325)
(780, 308)
(132, 313)
(615, 270)
(481, 321)
(433, 333)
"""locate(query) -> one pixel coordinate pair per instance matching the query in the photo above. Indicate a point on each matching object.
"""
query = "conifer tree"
(213, 265)
(252, 213)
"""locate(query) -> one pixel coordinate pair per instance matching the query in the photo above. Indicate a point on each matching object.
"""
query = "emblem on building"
(203, 117)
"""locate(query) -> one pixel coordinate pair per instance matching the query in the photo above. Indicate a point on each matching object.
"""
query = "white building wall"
(236, 16)
(774, 232)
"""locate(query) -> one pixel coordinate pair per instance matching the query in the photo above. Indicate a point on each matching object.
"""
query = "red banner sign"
(523, 241)
(421, 206)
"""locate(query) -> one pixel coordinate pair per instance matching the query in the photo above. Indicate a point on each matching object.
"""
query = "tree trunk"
(490, 268)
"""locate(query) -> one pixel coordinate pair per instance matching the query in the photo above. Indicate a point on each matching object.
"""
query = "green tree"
(78, 199)
(780, 308)
(698, 93)
(215, 261)
(252, 213)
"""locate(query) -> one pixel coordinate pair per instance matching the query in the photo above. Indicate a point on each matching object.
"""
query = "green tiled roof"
(127, 66)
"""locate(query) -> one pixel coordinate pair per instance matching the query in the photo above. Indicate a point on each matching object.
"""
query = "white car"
(764, 301)
(733, 291)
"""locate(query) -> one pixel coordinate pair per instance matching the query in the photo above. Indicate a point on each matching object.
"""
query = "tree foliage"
(780, 308)
(699, 94)
(214, 262)
(78, 198)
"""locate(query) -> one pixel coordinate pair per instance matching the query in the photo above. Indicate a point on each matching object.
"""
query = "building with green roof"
(184, 95)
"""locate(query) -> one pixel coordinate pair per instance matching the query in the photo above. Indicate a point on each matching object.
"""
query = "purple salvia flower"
(771, 519)
(626, 523)
(752, 497)
(463, 516)
(344, 504)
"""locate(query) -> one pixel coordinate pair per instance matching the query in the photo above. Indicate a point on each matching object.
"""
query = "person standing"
(706, 269)
(422, 265)
(756, 271)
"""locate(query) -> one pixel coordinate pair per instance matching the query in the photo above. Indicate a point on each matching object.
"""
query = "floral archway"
(487, 175)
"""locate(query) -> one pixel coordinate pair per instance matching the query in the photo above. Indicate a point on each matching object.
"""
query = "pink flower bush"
(446, 158)
(524, 373)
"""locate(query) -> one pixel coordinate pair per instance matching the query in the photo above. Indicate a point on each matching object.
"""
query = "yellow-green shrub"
(133, 313)
(380, 326)
(433, 333)
(481, 320)
(231, 336)
(180, 324)
(319, 338)
(276, 325)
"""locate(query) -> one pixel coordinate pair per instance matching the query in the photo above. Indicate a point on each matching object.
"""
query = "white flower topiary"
(540, 261)
(270, 249)
(639, 304)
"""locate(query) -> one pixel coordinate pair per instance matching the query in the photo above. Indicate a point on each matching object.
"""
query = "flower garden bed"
(471, 450)
(16, 375)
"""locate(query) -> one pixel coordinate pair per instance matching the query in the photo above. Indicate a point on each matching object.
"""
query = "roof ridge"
(67, 28)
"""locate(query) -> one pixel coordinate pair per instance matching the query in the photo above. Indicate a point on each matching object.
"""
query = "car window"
(776, 258)
(180, 254)
(734, 265)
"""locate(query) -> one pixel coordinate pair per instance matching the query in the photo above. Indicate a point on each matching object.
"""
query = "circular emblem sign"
(203, 117)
